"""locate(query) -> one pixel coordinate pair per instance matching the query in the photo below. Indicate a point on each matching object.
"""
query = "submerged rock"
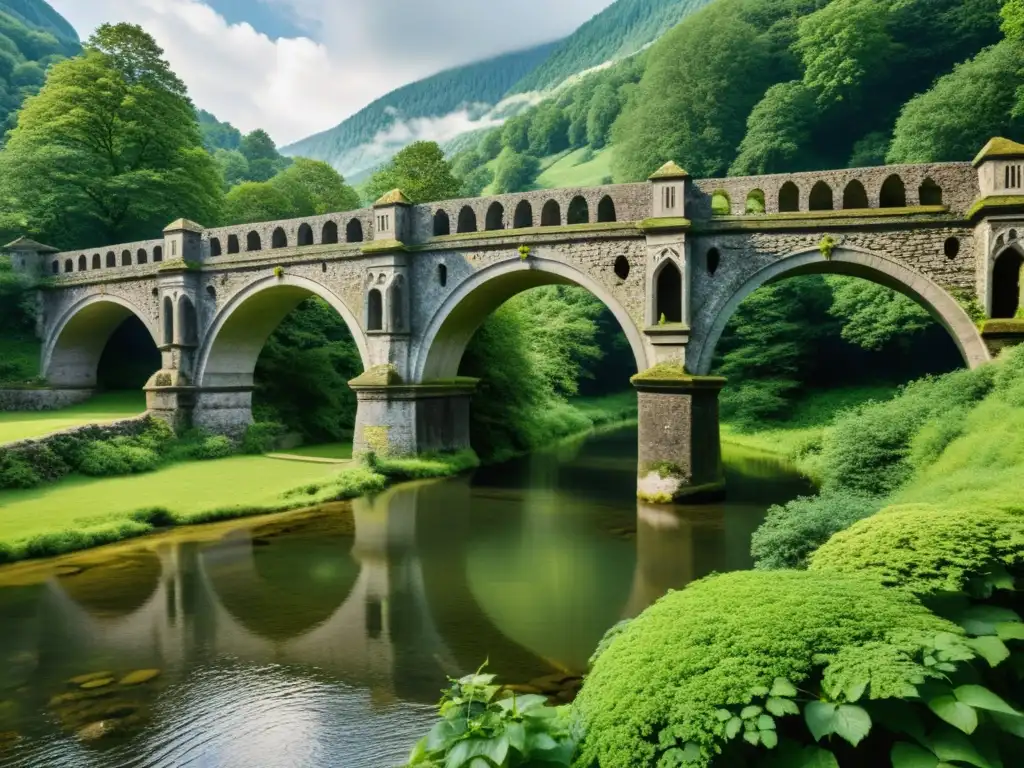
(100, 682)
(9, 739)
(139, 676)
(81, 679)
(95, 731)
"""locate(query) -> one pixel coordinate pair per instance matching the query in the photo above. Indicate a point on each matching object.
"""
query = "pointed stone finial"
(669, 171)
(184, 225)
(394, 197)
(997, 149)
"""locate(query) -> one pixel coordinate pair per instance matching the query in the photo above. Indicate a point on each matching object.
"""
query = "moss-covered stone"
(394, 197)
(139, 676)
(669, 170)
(999, 147)
(100, 682)
(668, 224)
(377, 376)
(384, 246)
(1006, 326)
(88, 678)
(675, 373)
(996, 204)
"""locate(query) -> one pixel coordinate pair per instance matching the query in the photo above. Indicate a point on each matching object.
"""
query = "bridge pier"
(680, 452)
(397, 419)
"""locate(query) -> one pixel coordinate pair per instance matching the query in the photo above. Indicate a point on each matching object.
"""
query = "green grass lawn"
(338, 451)
(572, 171)
(104, 408)
(187, 490)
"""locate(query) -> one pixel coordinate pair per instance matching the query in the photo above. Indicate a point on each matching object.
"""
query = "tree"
(515, 172)
(218, 135)
(778, 132)
(516, 133)
(254, 201)
(1013, 18)
(420, 171)
(963, 110)
(261, 152)
(315, 188)
(109, 150)
(490, 145)
(548, 130)
(871, 150)
(604, 108)
(474, 184)
(233, 166)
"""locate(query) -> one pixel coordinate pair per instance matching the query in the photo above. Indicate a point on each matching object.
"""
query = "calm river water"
(323, 638)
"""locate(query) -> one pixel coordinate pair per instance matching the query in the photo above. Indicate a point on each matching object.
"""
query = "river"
(324, 637)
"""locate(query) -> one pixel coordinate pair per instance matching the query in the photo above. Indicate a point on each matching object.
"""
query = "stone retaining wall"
(124, 428)
(42, 399)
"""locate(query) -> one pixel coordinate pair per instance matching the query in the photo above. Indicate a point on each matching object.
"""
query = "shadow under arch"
(854, 262)
(72, 352)
(452, 327)
(232, 346)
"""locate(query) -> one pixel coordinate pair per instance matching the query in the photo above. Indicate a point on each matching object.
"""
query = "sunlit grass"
(573, 170)
(338, 451)
(102, 409)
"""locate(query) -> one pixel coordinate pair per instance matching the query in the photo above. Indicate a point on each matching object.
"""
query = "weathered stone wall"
(112, 260)
(290, 227)
(91, 432)
(42, 399)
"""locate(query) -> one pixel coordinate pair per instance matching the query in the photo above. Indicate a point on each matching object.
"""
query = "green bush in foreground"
(722, 658)
(117, 457)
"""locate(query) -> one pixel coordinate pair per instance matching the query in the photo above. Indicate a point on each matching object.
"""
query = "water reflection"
(320, 637)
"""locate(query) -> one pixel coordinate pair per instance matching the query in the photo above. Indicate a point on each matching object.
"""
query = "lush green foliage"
(482, 724)
(18, 348)
(420, 171)
(515, 172)
(110, 169)
(217, 135)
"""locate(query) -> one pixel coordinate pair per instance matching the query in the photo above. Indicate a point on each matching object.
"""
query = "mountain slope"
(372, 135)
(621, 29)
(38, 15)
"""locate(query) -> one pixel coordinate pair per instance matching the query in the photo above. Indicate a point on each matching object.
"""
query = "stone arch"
(845, 260)
(215, 246)
(855, 196)
(467, 219)
(126, 258)
(929, 193)
(442, 275)
(668, 291)
(893, 194)
(721, 205)
(714, 259)
(229, 350)
(821, 197)
(305, 235)
(551, 214)
(96, 262)
(55, 267)
(442, 224)
(354, 231)
(452, 326)
(253, 242)
(755, 202)
(606, 210)
(279, 238)
(187, 322)
(523, 218)
(141, 257)
(233, 244)
(329, 233)
(1006, 284)
(396, 305)
(158, 253)
(73, 348)
(495, 219)
(579, 211)
(374, 310)
(111, 259)
(789, 198)
(69, 265)
(83, 263)
(167, 318)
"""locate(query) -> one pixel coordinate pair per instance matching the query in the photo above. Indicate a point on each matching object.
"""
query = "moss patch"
(671, 223)
(996, 204)
(378, 376)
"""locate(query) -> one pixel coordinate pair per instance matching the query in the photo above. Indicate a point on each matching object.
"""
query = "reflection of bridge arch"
(452, 326)
(713, 318)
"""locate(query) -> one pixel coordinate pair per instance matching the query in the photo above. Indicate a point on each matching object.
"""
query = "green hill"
(623, 28)
(37, 15)
(356, 144)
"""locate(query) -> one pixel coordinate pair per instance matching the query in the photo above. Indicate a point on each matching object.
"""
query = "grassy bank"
(102, 409)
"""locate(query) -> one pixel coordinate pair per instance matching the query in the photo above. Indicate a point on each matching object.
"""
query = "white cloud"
(357, 51)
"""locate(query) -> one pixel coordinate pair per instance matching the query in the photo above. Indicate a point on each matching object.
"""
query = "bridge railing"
(108, 258)
(350, 227)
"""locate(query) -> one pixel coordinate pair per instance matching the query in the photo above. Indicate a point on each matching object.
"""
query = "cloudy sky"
(296, 67)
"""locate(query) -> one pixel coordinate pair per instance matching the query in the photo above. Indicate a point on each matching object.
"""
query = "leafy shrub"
(117, 457)
(423, 467)
(17, 472)
(157, 517)
(482, 725)
(262, 437)
(215, 447)
(664, 689)
(792, 531)
(929, 550)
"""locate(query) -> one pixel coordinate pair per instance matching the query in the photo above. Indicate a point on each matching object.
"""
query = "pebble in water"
(139, 676)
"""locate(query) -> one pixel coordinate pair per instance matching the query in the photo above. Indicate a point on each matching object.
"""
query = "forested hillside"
(360, 142)
(32, 36)
(620, 30)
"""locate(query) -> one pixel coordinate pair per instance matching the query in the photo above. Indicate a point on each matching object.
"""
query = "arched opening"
(551, 214)
(789, 198)
(821, 197)
(1006, 276)
(55, 267)
(442, 224)
(83, 263)
(329, 234)
(211, 292)
(442, 275)
(233, 244)
(279, 239)
(126, 258)
(69, 265)
(354, 231)
(96, 263)
(111, 259)
(167, 320)
(721, 205)
(951, 247)
(755, 202)
(396, 303)
(158, 253)
(855, 196)
(305, 235)
(930, 193)
(141, 257)
(252, 242)
(295, 345)
(893, 193)
(621, 268)
(668, 293)
(495, 217)
(215, 246)
(579, 211)
(467, 220)
(606, 210)
(101, 342)
(374, 311)
(523, 218)
(713, 260)
(187, 331)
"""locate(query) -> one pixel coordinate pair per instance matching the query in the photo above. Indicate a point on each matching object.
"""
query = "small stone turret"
(669, 200)
(183, 239)
(391, 217)
(29, 257)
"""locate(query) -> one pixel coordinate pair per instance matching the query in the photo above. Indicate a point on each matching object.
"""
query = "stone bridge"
(672, 258)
